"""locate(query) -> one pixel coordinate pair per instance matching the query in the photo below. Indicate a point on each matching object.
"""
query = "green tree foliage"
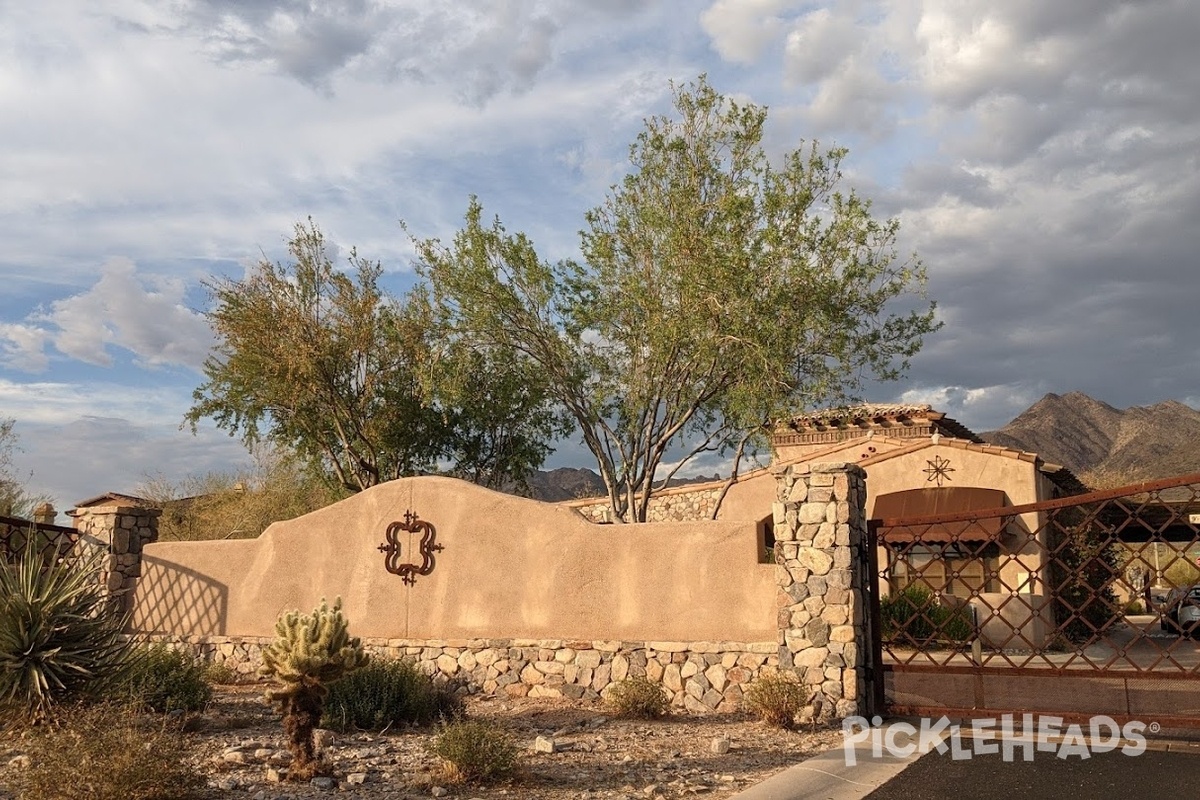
(237, 505)
(309, 652)
(718, 293)
(361, 385)
(15, 500)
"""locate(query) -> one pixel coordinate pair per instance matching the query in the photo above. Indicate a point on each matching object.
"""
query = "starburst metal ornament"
(939, 470)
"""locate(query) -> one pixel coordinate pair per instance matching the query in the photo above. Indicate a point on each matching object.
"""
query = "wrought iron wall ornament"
(427, 547)
(939, 470)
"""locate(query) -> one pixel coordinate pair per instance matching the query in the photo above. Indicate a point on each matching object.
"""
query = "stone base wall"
(681, 505)
(701, 677)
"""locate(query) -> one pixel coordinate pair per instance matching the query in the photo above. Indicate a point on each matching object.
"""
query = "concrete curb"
(827, 777)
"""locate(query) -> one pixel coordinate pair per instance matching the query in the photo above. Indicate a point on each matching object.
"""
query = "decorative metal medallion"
(939, 470)
(427, 547)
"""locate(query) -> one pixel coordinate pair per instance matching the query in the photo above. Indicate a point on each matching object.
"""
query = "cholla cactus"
(309, 652)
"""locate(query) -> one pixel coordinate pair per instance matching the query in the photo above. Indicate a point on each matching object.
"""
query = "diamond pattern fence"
(1103, 582)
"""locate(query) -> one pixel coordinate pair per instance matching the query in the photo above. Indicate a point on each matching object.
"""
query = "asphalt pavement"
(1166, 769)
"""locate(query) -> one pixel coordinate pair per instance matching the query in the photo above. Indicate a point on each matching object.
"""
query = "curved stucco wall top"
(510, 567)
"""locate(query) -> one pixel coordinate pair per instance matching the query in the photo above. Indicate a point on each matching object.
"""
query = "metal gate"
(1079, 606)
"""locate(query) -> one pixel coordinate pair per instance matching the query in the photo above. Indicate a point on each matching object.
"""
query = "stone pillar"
(122, 531)
(45, 514)
(820, 536)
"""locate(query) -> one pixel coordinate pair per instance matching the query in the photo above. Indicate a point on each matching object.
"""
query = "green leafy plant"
(775, 699)
(914, 616)
(309, 652)
(386, 694)
(639, 698)
(60, 638)
(473, 751)
(107, 753)
(163, 679)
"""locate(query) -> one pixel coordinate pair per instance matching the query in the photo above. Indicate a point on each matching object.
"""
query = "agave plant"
(60, 639)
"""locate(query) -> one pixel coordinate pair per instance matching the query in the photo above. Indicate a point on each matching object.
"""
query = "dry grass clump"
(775, 699)
(473, 751)
(107, 753)
(638, 698)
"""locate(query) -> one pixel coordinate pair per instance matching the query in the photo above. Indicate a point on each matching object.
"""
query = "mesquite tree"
(309, 652)
(718, 293)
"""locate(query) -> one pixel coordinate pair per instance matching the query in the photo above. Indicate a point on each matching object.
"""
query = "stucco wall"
(511, 567)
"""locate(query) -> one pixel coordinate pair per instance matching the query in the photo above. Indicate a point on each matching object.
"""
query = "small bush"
(218, 673)
(914, 616)
(60, 639)
(103, 753)
(386, 694)
(639, 698)
(475, 752)
(775, 699)
(162, 679)
(1135, 607)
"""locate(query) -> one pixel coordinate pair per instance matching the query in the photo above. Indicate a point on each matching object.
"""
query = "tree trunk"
(301, 716)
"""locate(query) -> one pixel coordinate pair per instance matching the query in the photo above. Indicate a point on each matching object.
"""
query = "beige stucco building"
(921, 463)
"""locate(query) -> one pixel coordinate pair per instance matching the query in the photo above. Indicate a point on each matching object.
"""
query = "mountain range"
(1106, 446)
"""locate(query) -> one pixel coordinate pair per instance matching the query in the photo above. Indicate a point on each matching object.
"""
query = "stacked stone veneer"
(121, 532)
(701, 677)
(683, 505)
(820, 533)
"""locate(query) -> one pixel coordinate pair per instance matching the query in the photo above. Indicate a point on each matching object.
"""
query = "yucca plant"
(309, 652)
(60, 638)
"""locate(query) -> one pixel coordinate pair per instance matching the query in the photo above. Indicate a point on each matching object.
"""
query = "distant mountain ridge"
(1103, 445)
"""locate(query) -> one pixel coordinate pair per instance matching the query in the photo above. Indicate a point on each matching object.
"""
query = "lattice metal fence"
(1108, 581)
(50, 541)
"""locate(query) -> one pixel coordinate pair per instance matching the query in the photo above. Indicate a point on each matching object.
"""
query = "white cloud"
(23, 347)
(741, 30)
(142, 314)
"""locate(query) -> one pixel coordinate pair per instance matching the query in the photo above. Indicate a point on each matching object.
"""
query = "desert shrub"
(639, 698)
(162, 679)
(913, 615)
(1135, 607)
(60, 639)
(218, 673)
(104, 753)
(473, 751)
(386, 694)
(775, 699)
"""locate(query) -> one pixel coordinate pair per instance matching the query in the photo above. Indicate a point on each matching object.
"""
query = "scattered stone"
(323, 782)
(234, 757)
(438, 791)
(20, 762)
(263, 753)
(720, 745)
(275, 775)
(544, 744)
(356, 778)
(227, 784)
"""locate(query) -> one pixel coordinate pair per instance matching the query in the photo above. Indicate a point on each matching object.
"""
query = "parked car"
(1181, 610)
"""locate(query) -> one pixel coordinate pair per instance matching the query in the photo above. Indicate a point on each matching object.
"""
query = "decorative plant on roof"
(310, 651)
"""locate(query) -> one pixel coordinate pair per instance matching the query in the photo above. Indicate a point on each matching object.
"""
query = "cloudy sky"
(1042, 157)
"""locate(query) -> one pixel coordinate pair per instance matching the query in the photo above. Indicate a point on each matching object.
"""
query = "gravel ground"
(238, 742)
